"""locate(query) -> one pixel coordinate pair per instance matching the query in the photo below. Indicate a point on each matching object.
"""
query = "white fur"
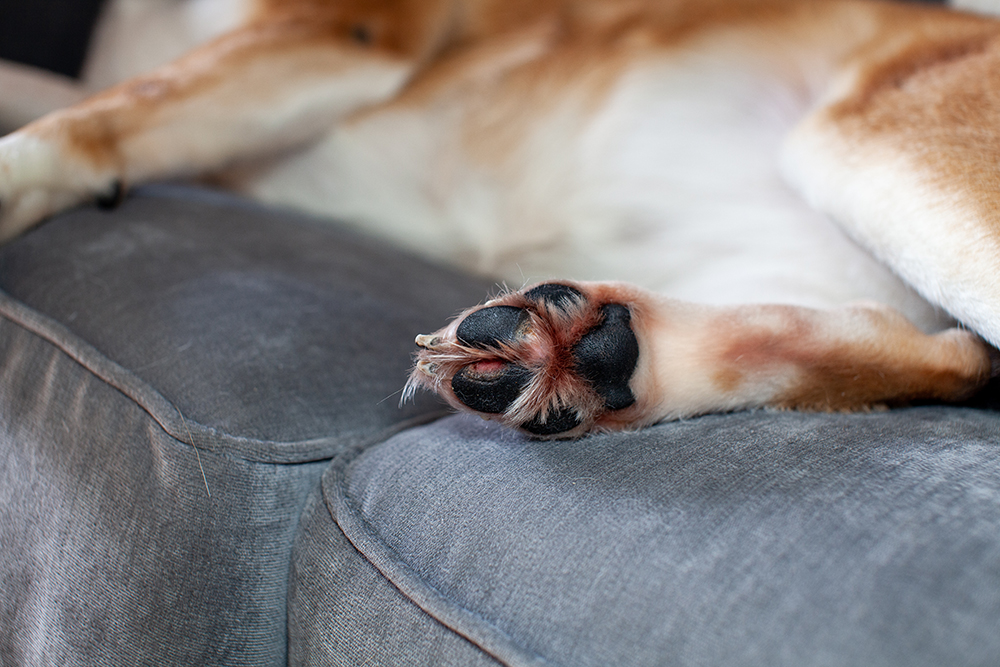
(206, 133)
(672, 184)
(37, 179)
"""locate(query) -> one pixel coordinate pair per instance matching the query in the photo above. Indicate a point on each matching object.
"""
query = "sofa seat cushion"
(747, 539)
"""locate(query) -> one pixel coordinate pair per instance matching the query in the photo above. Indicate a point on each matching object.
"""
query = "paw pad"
(561, 296)
(606, 357)
(491, 392)
(491, 326)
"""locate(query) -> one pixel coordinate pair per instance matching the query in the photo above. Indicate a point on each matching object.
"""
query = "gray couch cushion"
(747, 539)
(174, 377)
(258, 324)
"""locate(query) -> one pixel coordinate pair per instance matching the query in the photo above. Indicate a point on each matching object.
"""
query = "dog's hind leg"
(906, 158)
(275, 83)
(560, 359)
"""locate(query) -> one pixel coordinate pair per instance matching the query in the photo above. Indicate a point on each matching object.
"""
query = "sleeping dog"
(837, 159)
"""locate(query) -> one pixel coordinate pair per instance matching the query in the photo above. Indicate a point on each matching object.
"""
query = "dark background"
(51, 34)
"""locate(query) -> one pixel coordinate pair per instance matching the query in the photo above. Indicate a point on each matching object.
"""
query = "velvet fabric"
(746, 539)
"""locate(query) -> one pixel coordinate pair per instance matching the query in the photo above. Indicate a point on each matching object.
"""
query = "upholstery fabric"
(174, 378)
(747, 539)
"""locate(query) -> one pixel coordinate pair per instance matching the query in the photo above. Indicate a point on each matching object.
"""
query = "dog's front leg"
(560, 359)
(266, 87)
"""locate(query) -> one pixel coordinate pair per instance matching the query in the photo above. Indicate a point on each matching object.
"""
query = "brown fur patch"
(850, 359)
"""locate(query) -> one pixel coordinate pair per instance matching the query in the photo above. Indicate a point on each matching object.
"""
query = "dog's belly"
(670, 182)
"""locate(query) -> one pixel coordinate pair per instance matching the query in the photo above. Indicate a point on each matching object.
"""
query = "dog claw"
(428, 341)
(428, 368)
(114, 196)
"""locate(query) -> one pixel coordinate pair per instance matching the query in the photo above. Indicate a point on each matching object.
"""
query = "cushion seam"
(169, 417)
(462, 621)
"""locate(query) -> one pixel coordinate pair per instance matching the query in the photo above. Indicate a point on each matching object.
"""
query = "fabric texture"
(174, 378)
(747, 539)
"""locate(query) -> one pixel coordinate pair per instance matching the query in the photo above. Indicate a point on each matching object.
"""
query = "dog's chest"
(668, 178)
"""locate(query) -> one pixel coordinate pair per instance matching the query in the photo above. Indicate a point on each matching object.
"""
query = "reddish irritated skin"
(696, 359)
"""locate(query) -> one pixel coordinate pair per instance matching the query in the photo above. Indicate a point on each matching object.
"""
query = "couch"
(203, 461)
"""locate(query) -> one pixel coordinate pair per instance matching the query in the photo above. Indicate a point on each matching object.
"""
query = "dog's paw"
(554, 360)
(38, 179)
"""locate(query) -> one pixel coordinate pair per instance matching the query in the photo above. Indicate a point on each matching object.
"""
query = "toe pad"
(491, 326)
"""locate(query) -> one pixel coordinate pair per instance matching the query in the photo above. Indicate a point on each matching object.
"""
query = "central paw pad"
(607, 354)
(551, 360)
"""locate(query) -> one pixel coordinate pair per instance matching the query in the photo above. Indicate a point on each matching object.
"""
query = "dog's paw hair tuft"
(607, 355)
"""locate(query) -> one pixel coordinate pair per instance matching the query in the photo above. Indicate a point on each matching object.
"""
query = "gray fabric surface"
(345, 613)
(113, 551)
(746, 539)
(257, 323)
(174, 377)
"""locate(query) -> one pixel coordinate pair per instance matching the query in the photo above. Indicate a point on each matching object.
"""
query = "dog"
(656, 172)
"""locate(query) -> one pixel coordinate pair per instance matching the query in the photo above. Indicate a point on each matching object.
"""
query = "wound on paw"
(560, 296)
(606, 357)
(560, 422)
(491, 392)
(491, 326)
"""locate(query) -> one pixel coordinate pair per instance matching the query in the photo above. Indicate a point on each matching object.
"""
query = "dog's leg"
(269, 86)
(906, 157)
(560, 359)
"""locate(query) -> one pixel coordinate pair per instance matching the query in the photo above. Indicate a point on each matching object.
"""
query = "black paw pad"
(491, 326)
(606, 357)
(561, 296)
(493, 392)
(560, 422)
